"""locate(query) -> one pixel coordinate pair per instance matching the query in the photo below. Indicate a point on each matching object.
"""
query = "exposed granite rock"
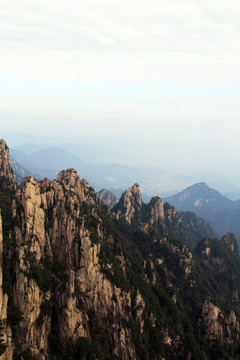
(155, 210)
(71, 182)
(5, 169)
(53, 229)
(6, 331)
(130, 205)
(184, 226)
(215, 326)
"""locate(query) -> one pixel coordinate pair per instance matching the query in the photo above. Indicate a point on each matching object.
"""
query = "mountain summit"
(201, 199)
(223, 213)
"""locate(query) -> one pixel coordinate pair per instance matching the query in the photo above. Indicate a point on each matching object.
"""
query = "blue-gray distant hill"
(50, 161)
(20, 172)
(223, 213)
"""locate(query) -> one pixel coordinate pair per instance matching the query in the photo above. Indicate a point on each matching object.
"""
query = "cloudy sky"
(165, 74)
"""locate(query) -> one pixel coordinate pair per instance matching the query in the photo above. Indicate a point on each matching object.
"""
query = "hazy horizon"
(154, 179)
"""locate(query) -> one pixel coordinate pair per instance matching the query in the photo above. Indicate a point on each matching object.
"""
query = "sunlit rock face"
(5, 168)
(130, 205)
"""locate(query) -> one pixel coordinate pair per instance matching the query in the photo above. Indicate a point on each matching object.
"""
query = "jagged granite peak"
(185, 226)
(71, 181)
(155, 210)
(5, 168)
(107, 198)
(130, 205)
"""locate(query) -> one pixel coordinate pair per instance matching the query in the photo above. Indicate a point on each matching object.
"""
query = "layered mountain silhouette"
(49, 161)
(222, 213)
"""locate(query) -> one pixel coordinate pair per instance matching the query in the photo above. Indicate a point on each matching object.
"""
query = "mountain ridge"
(222, 213)
(79, 283)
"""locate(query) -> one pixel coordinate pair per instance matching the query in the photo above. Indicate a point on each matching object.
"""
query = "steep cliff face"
(80, 284)
(5, 168)
(6, 333)
(215, 327)
(60, 285)
(130, 205)
(155, 210)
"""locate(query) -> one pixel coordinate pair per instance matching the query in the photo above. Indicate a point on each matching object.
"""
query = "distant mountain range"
(223, 213)
(105, 164)
(20, 172)
(49, 161)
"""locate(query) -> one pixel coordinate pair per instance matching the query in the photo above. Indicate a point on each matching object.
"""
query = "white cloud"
(119, 41)
(109, 178)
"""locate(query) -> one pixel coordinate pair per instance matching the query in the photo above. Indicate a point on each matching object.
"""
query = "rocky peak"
(5, 168)
(130, 204)
(71, 182)
(155, 210)
(201, 185)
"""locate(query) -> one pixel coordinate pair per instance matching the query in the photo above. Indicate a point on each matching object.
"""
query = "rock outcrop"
(155, 210)
(215, 327)
(130, 205)
(6, 333)
(5, 169)
(184, 226)
(58, 270)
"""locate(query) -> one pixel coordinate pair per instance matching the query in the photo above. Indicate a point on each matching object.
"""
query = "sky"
(160, 77)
